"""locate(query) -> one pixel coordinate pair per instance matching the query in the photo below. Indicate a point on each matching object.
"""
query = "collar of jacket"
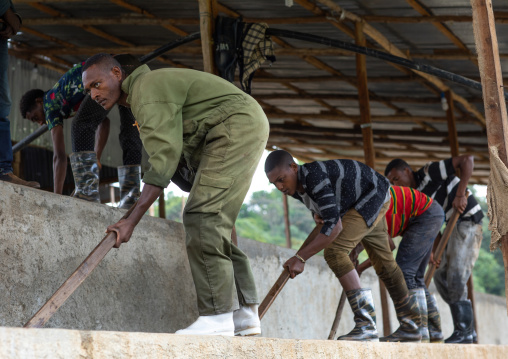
(131, 79)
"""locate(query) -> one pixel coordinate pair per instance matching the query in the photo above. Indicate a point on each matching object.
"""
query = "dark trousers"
(88, 118)
(416, 245)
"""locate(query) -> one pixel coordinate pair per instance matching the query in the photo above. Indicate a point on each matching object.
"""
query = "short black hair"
(27, 102)
(398, 164)
(278, 158)
(100, 59)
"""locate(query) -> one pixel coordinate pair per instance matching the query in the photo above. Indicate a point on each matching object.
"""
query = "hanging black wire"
(431, 70)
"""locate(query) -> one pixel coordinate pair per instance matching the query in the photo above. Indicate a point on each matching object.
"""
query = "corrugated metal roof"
(295, 86)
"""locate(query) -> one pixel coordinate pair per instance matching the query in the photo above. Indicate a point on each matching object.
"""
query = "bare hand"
(437, 263)
(459, 203)
(294, 266)
(123, 230)
(318, 219)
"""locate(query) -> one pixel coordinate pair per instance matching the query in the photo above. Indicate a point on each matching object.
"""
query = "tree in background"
(262, 219)
(488, 272)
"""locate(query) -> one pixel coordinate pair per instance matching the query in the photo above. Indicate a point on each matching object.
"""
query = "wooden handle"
(441, 246)
(74, 281)
(284, 277)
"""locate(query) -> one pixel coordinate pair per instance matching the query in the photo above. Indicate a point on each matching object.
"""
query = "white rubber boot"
(221, 324)
(247, 321)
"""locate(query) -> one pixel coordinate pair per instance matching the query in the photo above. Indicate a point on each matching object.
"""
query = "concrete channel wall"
(146, 285)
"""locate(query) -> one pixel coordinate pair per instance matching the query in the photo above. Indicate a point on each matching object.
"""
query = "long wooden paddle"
(442, 245)
(283, 278)
(74, 281)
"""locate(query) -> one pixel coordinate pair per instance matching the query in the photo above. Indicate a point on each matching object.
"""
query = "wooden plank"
(283, 278)
(74, 281)
(287, 228)
(441, 246)
(493, 91)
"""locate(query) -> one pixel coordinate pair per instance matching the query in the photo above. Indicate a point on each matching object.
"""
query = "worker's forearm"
(59, 171)
(466, 170)
(318, 244)
(148, 196)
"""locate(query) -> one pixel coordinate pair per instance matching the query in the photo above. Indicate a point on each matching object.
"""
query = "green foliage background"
(262, 219)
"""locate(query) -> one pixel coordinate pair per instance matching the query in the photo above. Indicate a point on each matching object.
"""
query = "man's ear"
(39, 100)
(117, 72)
(294, 167)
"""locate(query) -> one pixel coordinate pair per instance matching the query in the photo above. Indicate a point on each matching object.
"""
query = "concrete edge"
(69, 344)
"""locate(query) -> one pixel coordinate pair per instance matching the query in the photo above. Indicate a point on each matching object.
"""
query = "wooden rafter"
(91, 29)
(392, 49)
(445, 30)
(148, 14)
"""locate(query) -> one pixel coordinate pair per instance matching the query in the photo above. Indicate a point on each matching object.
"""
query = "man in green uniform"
(207, 130)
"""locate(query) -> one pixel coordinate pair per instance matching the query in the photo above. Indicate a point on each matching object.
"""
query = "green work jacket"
(175, 109)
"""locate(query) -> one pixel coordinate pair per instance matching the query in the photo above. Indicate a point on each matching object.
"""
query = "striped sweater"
(405, 204)
(334, 187)
(438, 180)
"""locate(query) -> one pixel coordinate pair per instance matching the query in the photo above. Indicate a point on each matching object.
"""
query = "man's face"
(284, 178)
(401, 177)
(104, 86)
(37, 113)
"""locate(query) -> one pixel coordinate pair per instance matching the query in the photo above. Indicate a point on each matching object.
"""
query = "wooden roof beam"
(379, 38)
(424, 11)
(93, 30)
(146, 13)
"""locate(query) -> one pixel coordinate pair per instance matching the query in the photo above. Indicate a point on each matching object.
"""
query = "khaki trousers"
(231, 153)
(375, 242)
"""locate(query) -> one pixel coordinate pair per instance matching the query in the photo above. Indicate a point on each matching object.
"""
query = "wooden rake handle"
(442, 245)
(74, 281)
(284, 277)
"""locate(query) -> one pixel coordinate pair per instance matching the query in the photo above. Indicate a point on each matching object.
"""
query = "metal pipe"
(30, 138)
(431, 70)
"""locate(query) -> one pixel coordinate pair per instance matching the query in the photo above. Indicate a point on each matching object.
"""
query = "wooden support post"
(493, 92)
(207, 15)
(363, 99)
(452, 127)
(368, 142)
(286, 220)
(454, 149)
(162, 206)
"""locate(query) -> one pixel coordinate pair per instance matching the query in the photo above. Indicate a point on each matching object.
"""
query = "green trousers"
(231, 154)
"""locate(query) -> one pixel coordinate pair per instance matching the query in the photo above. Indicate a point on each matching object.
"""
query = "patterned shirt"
(334, 187)
(63, 100)
(405, 204)
(438, 180)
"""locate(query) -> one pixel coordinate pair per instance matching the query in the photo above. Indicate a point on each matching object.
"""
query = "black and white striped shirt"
(438, 180)
(336, 186)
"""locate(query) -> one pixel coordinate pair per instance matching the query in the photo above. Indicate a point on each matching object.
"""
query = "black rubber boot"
(462, 314)
(422, 303)
(130, 181)
(86, 175)
(364, 312)
(435, 332)
(409, 316)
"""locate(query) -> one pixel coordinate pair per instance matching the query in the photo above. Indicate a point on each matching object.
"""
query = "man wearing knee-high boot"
(89, 134)
(351, 200)
(439, 181)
